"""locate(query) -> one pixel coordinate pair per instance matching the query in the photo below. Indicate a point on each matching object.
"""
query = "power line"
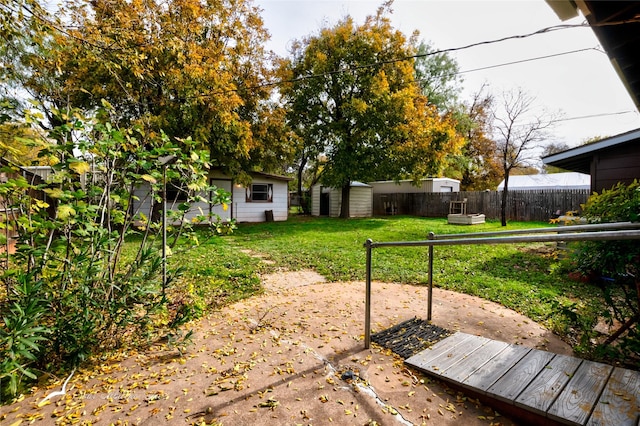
(521, 61)
(604, 114)
(420, 55)
(390, 61)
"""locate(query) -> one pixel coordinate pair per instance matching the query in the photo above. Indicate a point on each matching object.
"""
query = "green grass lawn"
(527, 278)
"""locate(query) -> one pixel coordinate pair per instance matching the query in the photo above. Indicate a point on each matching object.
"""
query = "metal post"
(164, 162)
(367, 303)
(164, 228)
(432, 236)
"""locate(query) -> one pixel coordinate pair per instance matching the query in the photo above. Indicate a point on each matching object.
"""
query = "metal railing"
(593, 232)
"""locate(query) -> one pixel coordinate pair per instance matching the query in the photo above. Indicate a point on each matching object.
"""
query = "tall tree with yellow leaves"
(187, 67)
(352, 95)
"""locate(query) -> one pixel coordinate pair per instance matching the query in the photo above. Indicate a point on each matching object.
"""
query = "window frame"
(267, 191)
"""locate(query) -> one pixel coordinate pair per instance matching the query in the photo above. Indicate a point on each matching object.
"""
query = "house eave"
(579, 159)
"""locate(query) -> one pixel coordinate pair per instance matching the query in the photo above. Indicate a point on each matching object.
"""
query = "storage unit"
(327, 201)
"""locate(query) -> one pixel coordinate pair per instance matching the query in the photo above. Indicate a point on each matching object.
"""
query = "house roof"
(579, 159)
(27, 172)
(569, 180)
(616, 24)
(270, 176)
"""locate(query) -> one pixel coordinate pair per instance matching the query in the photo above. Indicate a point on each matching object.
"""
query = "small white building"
(266, 193)
(409, 187)
(266, 198)
(327, 201)
(550, 181)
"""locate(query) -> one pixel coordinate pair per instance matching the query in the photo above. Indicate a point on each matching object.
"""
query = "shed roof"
(569, 180)
(271, 176)
(437, 179)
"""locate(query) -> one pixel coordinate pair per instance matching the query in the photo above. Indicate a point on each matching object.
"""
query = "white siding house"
(328, 201)
(408, 187)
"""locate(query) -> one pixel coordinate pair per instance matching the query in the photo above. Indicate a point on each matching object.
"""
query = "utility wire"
(395, 60)
(604, 114)
(420, 55)
(521, 61)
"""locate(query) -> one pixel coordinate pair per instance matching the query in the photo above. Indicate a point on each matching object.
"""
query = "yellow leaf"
(44, 402)
(106, 104)
(16, 423)
(225, 206)
(65, 211)
(41, 204)
(149, 178)
(54, 192)
(80, 167)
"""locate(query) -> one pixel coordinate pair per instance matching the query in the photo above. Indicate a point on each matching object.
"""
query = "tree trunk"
(503, 204)
(344, 204)
(303, 163)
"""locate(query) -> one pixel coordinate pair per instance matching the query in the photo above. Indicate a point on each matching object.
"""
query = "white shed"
(408, 187)
(327, 201)
(266, 198)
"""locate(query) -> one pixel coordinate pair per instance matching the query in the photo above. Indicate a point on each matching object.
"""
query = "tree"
(550, 149)
(188, 67)
(616, 261)
(437, 76)
(518, 132)
(352, 97)
(478, 165)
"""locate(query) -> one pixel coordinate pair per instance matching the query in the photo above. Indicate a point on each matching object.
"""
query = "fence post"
(367, 303)
(432, 236)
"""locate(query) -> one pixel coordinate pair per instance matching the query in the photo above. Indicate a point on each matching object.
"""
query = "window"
(175, 194)
(260, 192)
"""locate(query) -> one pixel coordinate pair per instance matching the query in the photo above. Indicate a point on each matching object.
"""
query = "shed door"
(324, 203)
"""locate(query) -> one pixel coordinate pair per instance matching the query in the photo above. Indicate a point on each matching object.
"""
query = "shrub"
(71, 288)
(615, 264)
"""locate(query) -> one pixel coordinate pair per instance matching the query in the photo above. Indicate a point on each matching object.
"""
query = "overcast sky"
(577, 84)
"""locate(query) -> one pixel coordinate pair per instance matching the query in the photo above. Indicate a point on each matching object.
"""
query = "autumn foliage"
(352, 95)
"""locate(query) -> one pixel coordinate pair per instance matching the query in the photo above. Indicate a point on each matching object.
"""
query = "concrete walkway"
(294, 355)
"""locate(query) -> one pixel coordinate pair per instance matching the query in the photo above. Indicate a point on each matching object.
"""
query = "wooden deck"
(534, 386)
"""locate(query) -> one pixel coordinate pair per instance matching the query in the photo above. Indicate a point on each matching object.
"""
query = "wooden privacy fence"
(534, 205)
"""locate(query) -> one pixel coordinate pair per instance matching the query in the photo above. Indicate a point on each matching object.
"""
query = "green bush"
(71, 287)
(615, 265)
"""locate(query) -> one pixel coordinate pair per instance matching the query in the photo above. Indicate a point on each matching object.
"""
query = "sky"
(582, 84)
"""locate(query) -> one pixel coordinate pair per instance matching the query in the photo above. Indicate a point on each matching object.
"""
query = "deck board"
(535, 384)
(516, 380)
(495, 368)
(577, 399)
(461, 352)
(544, 389)
(460, 371)
(619, 403)
(445, 353)
(442, 347)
